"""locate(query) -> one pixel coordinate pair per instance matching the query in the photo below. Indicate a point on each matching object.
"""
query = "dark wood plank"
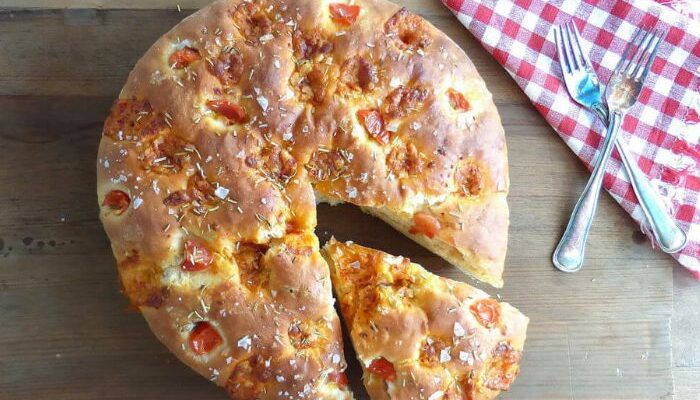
(685, 326)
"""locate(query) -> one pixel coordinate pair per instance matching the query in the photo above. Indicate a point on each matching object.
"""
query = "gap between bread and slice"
(484, 267)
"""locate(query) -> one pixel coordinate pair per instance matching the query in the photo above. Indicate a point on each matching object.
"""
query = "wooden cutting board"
(67, 332)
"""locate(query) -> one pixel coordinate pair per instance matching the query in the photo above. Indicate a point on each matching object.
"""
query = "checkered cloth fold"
(662, 130)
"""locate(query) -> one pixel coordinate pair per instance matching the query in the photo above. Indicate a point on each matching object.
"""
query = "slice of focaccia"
(421, 336)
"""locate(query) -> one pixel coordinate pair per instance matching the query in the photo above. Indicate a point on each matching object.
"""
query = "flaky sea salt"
(221, 192)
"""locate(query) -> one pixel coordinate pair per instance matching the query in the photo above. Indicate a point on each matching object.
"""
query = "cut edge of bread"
(467, 263)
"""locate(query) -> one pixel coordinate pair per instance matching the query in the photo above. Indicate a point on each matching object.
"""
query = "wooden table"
(67, 333)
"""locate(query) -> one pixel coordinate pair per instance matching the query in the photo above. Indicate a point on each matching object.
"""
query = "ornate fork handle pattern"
(670, 237)
(569, 254)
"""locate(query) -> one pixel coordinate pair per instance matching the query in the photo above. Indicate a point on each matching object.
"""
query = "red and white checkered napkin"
(662, 130)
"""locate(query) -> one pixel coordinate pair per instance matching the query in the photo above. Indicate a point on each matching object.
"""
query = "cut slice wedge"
(418, 335)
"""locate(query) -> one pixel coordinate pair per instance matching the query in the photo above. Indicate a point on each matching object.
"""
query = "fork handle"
(569, 254)
(670, 237)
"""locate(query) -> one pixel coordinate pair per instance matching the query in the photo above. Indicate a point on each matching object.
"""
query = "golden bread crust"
(418, 335)
(223, 132)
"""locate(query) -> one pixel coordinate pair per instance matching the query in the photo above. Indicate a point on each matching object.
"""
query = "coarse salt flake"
(392, 126)
(266, 38)
(445, 355)
(459, 330)
(245, 343)
(262, 100)
(437, 395)
(221, 192)
(137, 202)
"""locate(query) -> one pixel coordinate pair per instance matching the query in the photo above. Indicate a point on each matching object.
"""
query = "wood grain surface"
(67, 332)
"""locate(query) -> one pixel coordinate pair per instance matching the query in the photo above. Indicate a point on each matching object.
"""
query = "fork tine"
(641, 74)
(577, 36)
(575, 45)
(646, 49)
(568, 47)
(639, 52)
(642, 50)
(559, 39)
(621, 65)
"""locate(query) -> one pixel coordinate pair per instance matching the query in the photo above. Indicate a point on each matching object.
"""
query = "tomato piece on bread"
(373, 122)
(487, 312)
(204, 338)
(182, 58)
(197, 257)
(340, 378)
(382, 368)
(457, 100)
(344, 13)
(117, 200)
(425, 224)
(234, 112)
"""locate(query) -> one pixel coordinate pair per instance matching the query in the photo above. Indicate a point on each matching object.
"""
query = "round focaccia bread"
(236, 122)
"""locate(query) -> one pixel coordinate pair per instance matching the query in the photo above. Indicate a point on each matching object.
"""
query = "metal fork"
(583, 85)
(622, 92)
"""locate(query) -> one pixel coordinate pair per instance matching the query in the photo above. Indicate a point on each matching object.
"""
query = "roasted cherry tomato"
(197, 257)
(374, 124)
(339, 378)
(503, 367)
(486, 311)
(232, 111)
(425, 224)
(117, 200)
(344, 13)
(204, 338)
(184, 57)
(469, 179)
(457, 100)
(383, 368)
